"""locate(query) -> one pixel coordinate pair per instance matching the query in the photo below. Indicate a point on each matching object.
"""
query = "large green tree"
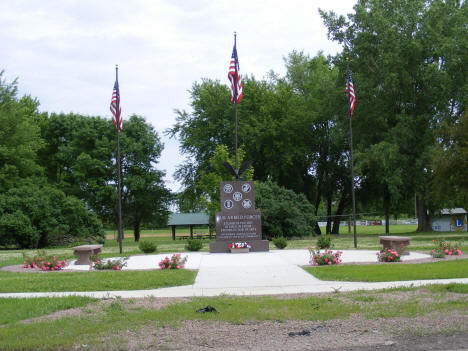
(145, 197)
(20, 137)
(80, 158)
(402, 55)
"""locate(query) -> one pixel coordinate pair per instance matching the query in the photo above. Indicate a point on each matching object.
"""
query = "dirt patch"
(431, 332)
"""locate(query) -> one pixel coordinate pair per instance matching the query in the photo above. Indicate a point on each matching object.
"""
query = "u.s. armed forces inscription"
(238, 220)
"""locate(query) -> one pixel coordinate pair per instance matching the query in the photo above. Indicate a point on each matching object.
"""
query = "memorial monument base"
(256, 246)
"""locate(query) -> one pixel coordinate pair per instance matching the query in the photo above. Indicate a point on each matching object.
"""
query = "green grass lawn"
(94, 281)
(387, 272)
(14, 309)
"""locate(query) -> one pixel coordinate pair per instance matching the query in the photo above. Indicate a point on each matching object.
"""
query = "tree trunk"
(424, 219)
(136, 230)
(387, 212)
(329, 219)
(339, 212)
(317, 204)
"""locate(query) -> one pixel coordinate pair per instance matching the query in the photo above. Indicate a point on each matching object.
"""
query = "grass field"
(392, 272)
(94, 281)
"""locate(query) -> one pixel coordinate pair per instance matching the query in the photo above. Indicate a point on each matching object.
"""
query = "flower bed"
(389, 255)
(443, 247)
(175, 262)
(325, 257)
(50, 263)
(109, 264)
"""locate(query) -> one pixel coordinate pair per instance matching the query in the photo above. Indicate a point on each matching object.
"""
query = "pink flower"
(446, 251)
(458, 252)
(329, 263)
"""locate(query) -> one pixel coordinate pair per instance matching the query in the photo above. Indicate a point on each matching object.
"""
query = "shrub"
(443, 247)
(175, 262)
(194, 245)
(116, 264)
(147, 246)
(326, 257)
(389, 255)
(324, 242)
(280, 242)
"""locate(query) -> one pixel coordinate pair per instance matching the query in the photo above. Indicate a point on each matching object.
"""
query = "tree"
(19, 137)
(398, 53)
(450, 181)
(284, 213)
(281, 126)
(80, 158)
(144, 197)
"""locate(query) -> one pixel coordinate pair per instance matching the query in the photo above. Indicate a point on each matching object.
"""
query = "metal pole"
(235, 109)
(352, 161)
(119, 185)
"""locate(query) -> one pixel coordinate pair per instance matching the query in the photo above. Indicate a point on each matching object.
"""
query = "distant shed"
(187, 219)
(450, 220)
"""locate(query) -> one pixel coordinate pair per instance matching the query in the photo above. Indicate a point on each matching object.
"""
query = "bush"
(389, 255)
(323, 258)
(324, 242)
(175, 262)
(116, 264)
(284, 213)
(443, 247)
(194, 245)
(147, 246)
(280, 242)
(35, 216)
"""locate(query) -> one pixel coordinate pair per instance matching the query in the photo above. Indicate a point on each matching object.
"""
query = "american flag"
(350, 93)
(236, 89)
(113, 105)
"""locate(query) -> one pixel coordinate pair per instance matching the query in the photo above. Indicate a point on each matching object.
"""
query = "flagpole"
(235, 110)
(351, 150)
(119, 186)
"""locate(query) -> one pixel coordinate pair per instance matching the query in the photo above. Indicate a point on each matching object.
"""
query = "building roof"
(188, 218)
(452, 211)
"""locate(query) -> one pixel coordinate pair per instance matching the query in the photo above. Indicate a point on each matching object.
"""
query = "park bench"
(84, 252)
(396, 243)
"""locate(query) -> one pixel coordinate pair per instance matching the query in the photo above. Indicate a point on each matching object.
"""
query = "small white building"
(450, 220)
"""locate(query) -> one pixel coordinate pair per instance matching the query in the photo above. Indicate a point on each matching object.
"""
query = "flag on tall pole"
(116, 112)
(234, 77)
(350, 91)
(115, 105)
(351, 104)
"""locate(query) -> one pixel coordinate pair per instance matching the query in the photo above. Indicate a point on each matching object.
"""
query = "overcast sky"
(64, 51)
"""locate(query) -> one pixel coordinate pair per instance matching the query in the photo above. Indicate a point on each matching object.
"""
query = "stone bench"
(396, 243)
(84, 252)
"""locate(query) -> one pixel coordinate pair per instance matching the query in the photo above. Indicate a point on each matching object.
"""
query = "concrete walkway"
(255, 273)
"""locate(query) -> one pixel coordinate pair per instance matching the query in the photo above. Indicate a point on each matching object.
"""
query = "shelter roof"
(188, 218)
